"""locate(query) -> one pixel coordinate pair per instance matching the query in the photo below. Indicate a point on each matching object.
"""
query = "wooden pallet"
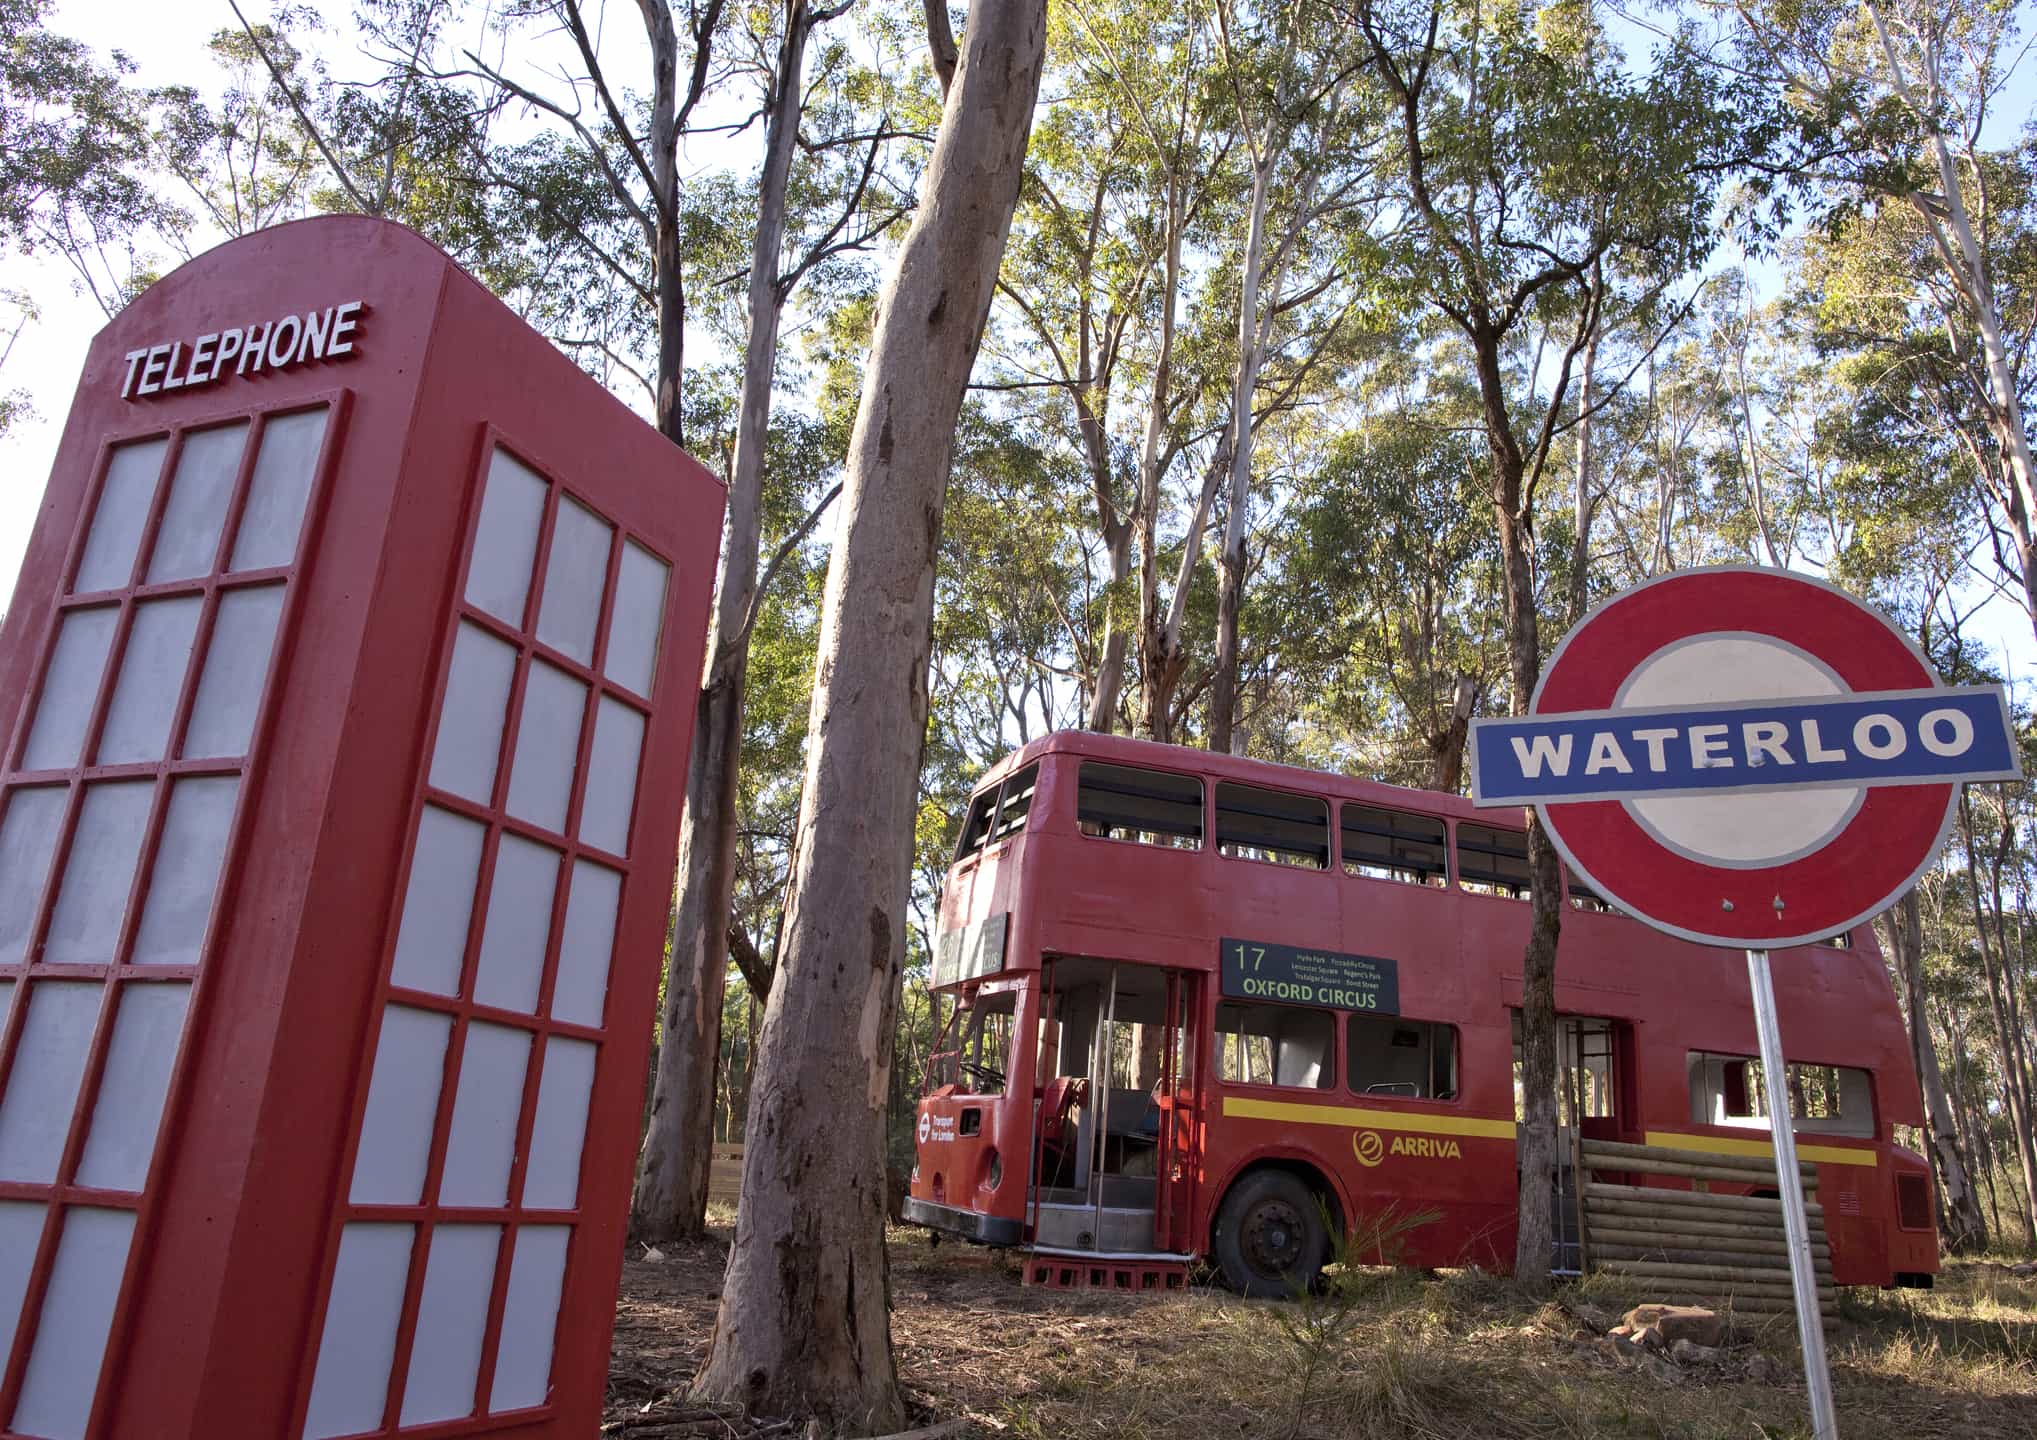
(725, 1174)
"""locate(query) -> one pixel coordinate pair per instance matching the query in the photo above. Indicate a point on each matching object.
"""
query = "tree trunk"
(2015, 1083)
(1446, 746)
(1583, 498)
(1223, 688)
(1537, 1146)
(1110, 670)
(803, 1326)
(1965, 1227)
(670, 1200)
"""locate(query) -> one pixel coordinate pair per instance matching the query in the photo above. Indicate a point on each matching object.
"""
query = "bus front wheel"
(1271, 1242)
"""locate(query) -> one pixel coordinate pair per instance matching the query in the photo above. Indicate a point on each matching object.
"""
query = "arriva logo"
(1370, 1149)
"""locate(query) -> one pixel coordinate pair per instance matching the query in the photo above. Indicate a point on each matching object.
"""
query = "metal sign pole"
(1796, 1225)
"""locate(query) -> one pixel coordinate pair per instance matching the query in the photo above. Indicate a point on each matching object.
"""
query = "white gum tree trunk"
(803, 1326)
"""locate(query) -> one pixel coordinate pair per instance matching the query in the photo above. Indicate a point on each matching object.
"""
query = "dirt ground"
(1440, 1357)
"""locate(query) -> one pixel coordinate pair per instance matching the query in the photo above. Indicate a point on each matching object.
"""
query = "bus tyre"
(1271, 1243)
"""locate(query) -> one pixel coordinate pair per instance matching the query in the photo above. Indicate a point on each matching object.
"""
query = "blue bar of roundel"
(1539, 759)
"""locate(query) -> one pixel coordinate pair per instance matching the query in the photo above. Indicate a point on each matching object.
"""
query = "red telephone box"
(345, 699)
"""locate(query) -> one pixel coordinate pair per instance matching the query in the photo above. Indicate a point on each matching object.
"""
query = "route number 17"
(1258, 958)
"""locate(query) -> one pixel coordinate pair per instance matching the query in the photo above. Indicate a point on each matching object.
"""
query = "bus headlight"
(994, 1172)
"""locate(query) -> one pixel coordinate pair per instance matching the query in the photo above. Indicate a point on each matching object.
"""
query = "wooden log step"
(1602, 1250)
(1611, 1150)
(1717, 1277)
(1684, 1168)
(1613, 1229)
(1618, 1215)
(1595, 1191)
(1674, 1220)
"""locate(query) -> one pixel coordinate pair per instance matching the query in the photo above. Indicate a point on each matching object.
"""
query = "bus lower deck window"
(1393, 1056)
(1730, 1090)
(1272, 825)
(1392, 845)
(1275, 1045)
(1147, 807)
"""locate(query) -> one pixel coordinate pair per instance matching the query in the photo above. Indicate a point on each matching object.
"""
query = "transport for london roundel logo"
(1368, 1147)
(1742, 756)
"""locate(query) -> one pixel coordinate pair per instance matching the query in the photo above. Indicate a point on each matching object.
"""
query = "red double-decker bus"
(1204, 1007)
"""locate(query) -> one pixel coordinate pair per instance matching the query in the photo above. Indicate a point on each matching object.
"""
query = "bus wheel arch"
(1275, 1227)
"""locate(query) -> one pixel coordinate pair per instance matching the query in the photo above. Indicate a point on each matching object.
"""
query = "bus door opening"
(1592, 1103)
(1111, 1156)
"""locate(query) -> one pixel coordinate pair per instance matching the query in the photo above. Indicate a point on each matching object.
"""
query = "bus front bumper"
(979, 1229)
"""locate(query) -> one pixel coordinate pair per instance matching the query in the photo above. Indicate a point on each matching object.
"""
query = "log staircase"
(1650, 1213)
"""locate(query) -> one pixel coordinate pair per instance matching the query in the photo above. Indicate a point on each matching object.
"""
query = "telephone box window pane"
(187, 544)
(151, 675)
(452, 1316)
(638, 621)
(581, 989)
(42, 1088)
(186, 873)
(439, 903)
(403, 1093)
(28, 833)
(69, 690)
(236, 667)
(530, 1315)
(470, 722)
(484, 1116)
(547, 742)
(279, 490)
(506, 540)
(99, 874)
(576, 574)
(519, 922)
(612, 776)
(20, 1230)
(359, 1339)
(122, 513)
(129, 1107)
(70, 1337)
(552, 1180)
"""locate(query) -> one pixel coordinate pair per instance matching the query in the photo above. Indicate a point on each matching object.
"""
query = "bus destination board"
(970, 952)
(1256, 970)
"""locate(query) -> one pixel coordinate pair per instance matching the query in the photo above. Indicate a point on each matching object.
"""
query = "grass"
(1382, 1353)
(1395, 1354)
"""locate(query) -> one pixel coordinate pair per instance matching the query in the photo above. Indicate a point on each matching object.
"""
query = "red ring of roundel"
(1857, 873)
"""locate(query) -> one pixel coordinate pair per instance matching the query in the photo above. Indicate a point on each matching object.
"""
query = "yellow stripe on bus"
(1351, 1117)
(1718, 1145)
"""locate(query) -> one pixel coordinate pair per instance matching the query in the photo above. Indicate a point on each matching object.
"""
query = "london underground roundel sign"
(1743, 757)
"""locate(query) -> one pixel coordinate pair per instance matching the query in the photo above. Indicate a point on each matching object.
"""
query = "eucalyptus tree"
(830, 220)
(75, 148)
(802, 1325)
(1309, 141)
(1389, 550)
(623, 140)
(250, 162)
(1527, 160)
(1900, 99)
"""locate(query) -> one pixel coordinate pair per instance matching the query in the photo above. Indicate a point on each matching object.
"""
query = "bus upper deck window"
(1255, 824)
(1015, 802)
(1393, 845)
(1493, 862)
(976, 825)
(1149, 807)
(1583, 897)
